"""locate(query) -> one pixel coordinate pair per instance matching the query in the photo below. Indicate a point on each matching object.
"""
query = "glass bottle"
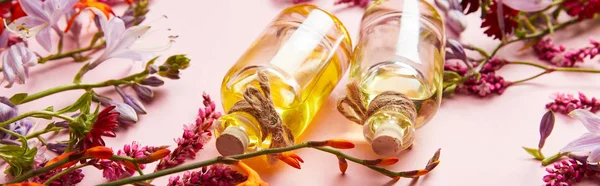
(304, 52)
(401, 49)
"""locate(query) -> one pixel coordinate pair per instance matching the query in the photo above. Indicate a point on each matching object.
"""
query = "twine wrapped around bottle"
(260, 105)
(357, 108)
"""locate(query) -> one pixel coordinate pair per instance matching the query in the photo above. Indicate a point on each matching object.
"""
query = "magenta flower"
(112, 170)
(546, 50)
(214, 175)
(488, 84)
(194, 137)
(567, 172)
(69, 179)
(566, 103)
(361, 3)
(16, 62)
(588, 142)
(41, 17)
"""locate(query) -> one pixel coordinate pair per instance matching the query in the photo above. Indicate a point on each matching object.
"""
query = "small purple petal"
(594, 156)
(131, 101)
(528, 5)
(546, 126)
(143, 92)
(587, 118)
(44, 39)
(152, 81)
(57, 147)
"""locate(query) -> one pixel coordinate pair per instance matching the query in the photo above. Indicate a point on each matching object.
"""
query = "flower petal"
(528, 5)
(4, 39)
(9, 73)
(594, 156)
(130, 36)
(113, 34)
(43, 37)
(587, 142)
(34, 8)
(26, 27)
(587, 118)
(16, 64)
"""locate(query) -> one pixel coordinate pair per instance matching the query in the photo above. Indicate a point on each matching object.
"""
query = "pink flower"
(361, 3)
(215, 175)
(112, 170)
(565, 103)
(583, 9)
(547, 50)
(194, 137)
(488, 84)
(567, 172)
(69, 179)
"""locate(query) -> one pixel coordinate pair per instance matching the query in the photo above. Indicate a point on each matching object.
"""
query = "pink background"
(481, 139)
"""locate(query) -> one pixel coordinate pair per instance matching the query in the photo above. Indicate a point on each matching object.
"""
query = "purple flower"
(41, 17)
(16, 62)
(69, 179)
(119, 40)
(131, 101)
(127, 115)
(567, 172)
(59, 148)
(588, 142)
(7, 112)
(194, 137)
(143, 92)
(456, 21)
(566, 103)
(214, 175)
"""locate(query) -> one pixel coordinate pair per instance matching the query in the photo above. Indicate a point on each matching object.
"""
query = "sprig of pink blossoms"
(194, 137)
(489, 82)
(69, 179)
(112, 170)
(556, 55)
(567, 172)
(214, 175)
(565, 103)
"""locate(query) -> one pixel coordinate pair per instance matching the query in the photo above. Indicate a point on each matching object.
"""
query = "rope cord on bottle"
(260, 105)
(356, 107)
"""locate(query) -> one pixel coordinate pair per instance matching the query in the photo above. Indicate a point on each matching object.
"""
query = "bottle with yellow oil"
(399, 58)
(303, 54)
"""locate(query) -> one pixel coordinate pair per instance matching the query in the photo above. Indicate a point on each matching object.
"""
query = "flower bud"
(57, 147)
(143, 92)
(7, 109)
(25, 184)
(170, 69)
(61, 157)
(456, 22)
(99, 152)
(291, 159)
(155, 156)
(152, 81)
(131, 101)
(152, 69)
(339, 144)
(343, 164)
(127, 115)
(387, 161)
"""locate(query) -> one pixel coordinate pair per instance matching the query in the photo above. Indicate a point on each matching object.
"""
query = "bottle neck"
(390, 132)
(237, 133)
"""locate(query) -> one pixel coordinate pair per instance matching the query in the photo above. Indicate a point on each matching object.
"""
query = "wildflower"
(566, 103)
(98, 4)
(112, 170)
(104, 126)
(41, 17)
(253, 177)
(337, 143)
(583, 9)
(71, 178)
(119, 40)
(588, 142)
(499, 29)
(135, 150)
(170, 69)
(99, 152)
(488, 84)
(7, 112)
(60, 158)
(546, 50)
(213, 175)
(291, 159)
(194, 137)
(131, 101)
(570, 58)
(143, 92)
(567, 172)
(361, 3)
(57, 147)
(16, 62)
(127, 114)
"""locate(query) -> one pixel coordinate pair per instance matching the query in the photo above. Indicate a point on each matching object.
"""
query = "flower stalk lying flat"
(433, 162)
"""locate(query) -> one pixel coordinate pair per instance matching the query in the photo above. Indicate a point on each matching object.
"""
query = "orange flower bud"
(25, 184)
(343, 164)
(291, 159)
(253, 177)
(59, 158)
(387, 161)
(339, 144)
(421, 173)
(158, 155)
(129, 165)
(99, 152)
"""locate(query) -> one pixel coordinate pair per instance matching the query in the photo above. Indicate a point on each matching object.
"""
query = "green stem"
(21, 137)
(138, 168)
(70, 53)
(548, 69)
(40, 170)
(534, 35)
(75, 86)
(479, 50)
(529, 78)
(553, 158)
(528, 24)
(46, 113)
(63, 173)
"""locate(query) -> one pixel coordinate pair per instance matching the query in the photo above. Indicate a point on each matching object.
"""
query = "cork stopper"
(232, 141)
(387, 141)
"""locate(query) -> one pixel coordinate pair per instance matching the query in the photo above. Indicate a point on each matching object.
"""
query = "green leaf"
(535, 153)
(449, 90)
(151, 62)
(50, 109)
(450, 76)
(83, 102)
(20, 159)
(18, 98)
